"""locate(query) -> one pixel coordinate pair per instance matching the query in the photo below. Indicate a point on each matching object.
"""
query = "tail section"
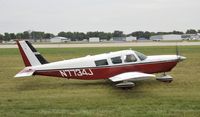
(30, 55)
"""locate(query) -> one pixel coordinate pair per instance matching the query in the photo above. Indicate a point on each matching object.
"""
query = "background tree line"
(26, 35)
(79, 36)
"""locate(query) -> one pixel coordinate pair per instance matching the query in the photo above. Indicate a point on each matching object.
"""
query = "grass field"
(45, 96)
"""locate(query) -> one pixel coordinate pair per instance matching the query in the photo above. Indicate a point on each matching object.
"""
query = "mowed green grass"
(46, 96)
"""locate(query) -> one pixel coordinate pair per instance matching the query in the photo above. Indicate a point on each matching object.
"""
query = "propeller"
(177, 50)
(179, 57)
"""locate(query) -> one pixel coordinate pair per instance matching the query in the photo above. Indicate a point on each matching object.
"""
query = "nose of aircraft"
(181, 58)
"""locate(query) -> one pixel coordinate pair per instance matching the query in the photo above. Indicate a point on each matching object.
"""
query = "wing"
(131, 76)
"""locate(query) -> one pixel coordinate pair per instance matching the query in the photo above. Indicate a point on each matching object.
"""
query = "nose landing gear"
(165, 78)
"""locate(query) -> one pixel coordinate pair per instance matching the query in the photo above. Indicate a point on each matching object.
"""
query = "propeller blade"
(177, 50)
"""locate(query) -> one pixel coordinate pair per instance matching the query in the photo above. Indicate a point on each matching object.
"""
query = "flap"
(131, 76)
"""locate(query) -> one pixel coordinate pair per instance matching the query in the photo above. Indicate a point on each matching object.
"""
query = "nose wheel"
(165, 78)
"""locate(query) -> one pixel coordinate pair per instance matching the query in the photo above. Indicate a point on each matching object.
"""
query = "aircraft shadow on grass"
(27, 85)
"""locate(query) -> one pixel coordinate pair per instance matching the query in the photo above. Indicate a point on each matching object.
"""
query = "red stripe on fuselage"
(107, 72)
(24, 57)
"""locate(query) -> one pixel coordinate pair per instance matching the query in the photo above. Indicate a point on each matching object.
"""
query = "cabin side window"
(101, 62)
(116, 60)
(130, 58)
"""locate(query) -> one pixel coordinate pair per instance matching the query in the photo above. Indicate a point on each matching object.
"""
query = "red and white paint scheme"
(123, 67)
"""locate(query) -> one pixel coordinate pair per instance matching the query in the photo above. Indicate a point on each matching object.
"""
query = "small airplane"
(121, 67)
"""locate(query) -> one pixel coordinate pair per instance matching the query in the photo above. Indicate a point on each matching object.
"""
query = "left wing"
(131, 76)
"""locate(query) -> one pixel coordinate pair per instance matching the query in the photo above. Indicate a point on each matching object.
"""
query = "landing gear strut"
(165, 78)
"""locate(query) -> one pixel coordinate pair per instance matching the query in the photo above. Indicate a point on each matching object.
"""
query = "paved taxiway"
(123, 44)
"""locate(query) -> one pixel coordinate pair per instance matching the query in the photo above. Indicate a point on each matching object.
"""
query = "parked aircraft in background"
(122, 67)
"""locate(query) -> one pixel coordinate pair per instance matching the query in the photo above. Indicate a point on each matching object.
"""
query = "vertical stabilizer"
(30, 55)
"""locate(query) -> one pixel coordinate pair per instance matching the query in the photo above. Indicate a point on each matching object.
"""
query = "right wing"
(131, 76)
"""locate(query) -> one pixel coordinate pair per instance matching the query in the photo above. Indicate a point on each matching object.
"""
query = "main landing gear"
(125, 85)
(165, 78)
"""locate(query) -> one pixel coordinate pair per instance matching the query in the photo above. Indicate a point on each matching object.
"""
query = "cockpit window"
(101, 62)
(130, 58)
(140, 55)
(116, 60)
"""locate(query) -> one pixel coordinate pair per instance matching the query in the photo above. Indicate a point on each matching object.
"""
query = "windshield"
(140, 55)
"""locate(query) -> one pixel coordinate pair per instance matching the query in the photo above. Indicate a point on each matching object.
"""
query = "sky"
(98, 15)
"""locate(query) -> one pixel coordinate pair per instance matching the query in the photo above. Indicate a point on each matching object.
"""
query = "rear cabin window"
(116, 60)
(101, 62)
(130, 58)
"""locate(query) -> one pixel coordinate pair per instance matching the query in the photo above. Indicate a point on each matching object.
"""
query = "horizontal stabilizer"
(25, 72)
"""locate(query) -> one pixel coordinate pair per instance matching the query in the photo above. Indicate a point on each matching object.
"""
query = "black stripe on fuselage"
(37, 54)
